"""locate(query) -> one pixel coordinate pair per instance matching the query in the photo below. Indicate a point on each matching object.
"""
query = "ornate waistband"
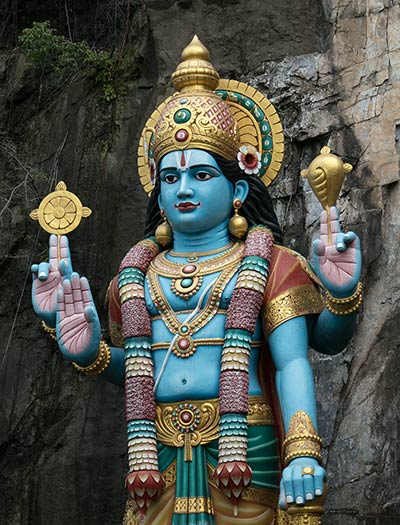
(190, 423)
(214, 341)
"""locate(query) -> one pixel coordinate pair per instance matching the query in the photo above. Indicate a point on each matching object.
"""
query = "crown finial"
(195, 72)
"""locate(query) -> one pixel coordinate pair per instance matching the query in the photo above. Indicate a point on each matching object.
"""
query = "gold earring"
(163, 232)
(238, 225)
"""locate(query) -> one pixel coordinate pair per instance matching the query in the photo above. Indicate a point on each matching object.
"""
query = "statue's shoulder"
(284, 258)
(292, 288)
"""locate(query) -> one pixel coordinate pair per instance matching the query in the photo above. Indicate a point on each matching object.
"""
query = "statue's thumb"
(90, 314)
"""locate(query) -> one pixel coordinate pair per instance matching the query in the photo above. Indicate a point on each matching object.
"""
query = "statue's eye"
(170, 179)
(203, 175)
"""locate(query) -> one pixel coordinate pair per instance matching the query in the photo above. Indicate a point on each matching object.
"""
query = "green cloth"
(192, 479)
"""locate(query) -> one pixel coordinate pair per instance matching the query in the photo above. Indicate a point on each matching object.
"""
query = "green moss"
(43, 47)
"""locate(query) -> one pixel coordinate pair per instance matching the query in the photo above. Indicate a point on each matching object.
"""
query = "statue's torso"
(196, 376)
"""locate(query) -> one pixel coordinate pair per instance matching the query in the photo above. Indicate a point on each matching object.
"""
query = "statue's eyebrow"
(174, 168)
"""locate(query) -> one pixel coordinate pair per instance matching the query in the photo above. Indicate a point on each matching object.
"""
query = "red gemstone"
(181, 135)
(183, 343)
(190, 268)
(186, 416)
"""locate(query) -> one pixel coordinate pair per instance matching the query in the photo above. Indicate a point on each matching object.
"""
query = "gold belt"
(191, 423)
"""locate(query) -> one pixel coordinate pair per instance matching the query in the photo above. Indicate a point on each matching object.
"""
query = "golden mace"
(326, 175)
(60, 212)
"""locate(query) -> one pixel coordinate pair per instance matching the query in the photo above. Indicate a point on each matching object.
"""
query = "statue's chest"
(214, 293)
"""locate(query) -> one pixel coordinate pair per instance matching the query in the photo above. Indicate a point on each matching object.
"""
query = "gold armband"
(100, 364)
(50, 331)
(301, 439)
(347, 305)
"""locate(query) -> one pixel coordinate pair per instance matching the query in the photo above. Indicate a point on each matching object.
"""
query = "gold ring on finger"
(307, 470)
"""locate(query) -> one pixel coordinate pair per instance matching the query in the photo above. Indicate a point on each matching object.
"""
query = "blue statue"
(211, 317)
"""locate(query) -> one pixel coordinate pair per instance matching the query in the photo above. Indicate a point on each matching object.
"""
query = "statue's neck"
(212, 239)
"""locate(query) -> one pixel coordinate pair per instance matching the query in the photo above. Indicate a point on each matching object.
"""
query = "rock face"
(332, 70)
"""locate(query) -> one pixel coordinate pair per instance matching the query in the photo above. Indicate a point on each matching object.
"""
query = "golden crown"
(222, 121)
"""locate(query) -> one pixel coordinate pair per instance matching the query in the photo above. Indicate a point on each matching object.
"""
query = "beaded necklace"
(144, 480)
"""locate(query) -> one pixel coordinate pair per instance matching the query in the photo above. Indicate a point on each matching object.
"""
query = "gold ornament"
(60, 212)
(101, 362)
(238, 224)
(346, 305)
(301, 439)
(326, 175)
(216, 121)
(163, 233)
(307, 471)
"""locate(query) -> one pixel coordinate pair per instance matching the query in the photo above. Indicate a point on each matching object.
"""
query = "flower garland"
(144, 480)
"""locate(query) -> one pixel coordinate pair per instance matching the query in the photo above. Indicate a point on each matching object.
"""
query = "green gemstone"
(184, 329)
(187, 282)
(235, 97)
(267, 142)
(265, 127)
(266, 159)
(221, 93)
(259, 115)
(248, 103)
(182, 116)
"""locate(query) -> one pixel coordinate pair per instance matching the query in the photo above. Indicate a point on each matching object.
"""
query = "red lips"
(186, 206)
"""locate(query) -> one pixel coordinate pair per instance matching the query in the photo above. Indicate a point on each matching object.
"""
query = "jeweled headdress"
(226, 117)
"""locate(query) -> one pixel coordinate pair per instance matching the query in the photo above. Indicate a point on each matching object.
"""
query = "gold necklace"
(195, 256)
(188, 278)
(185, 345)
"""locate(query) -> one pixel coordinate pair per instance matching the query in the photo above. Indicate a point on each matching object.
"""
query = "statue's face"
(195, 194)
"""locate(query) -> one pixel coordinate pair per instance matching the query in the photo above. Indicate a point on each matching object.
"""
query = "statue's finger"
(76, 292)
(319, 476)
(288, 485)
(282, 497)
(43, 271)
(65, 268)
(308, 483)
(349, 237)
(86, 293)
(60, 303)
(68, 298)
(53, 249)
(65, 251)
(298, 484)
(339, 242)
(34, 270)
(90, 314)
(319, 248)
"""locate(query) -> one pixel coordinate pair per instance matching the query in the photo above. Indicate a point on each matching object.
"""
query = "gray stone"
(332, 70)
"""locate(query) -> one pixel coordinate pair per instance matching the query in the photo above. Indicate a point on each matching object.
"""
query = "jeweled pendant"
(184, 346)
(186, 287)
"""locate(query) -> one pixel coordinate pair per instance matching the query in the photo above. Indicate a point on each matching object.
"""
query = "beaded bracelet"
(49, 330)
(346, 305)
(100, 364)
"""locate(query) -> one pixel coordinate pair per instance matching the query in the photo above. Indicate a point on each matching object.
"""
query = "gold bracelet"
(100, 364)
(346, 305)
(50, 331)
(301, 439)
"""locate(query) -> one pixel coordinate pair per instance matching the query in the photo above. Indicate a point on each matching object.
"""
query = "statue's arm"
(295, 387)
(337, 262)
(63, 300)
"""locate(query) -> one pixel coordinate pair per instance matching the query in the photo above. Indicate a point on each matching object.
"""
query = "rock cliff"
(331, 68)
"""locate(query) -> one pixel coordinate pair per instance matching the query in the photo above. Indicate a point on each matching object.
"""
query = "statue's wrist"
(344, 305)
(301, 439)
(99, 364)
(49, 329)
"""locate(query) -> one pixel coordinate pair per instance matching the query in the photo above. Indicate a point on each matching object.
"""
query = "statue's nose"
(184, 191)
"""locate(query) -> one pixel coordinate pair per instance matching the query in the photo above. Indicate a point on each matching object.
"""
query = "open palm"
(337, 261)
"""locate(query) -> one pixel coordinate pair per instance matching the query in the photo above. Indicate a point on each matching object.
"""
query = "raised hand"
(337, 263)
(302, 481)
(47, 278)
(78, 326)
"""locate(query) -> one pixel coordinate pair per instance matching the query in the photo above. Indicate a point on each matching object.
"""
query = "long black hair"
(257, 208)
